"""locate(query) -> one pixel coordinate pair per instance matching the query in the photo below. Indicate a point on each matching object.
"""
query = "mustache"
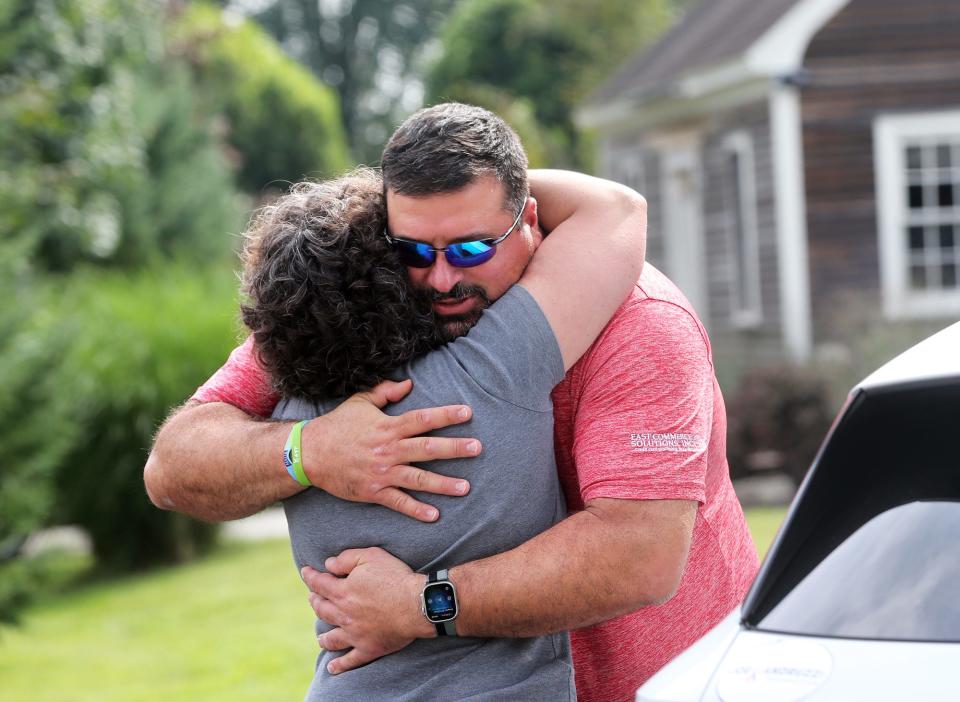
(457, 292)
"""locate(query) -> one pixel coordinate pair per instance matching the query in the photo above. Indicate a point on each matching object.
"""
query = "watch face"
(440, 602)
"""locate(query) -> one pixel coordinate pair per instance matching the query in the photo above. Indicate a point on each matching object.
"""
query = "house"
(801, 159)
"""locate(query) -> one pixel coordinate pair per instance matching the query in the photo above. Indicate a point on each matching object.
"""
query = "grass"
(235, 627)
(763, 523)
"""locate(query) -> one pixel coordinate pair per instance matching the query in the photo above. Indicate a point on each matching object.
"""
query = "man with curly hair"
(655, 550)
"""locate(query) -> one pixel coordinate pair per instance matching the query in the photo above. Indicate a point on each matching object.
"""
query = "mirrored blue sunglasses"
(463, 254)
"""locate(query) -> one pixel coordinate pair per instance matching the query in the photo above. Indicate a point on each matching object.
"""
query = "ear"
(531, 217)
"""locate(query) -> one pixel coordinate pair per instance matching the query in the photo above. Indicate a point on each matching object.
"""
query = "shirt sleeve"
(241, 382)
(512, 352)
(645, 411)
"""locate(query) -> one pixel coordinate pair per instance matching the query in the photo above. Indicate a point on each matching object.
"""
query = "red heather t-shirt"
(639, 417)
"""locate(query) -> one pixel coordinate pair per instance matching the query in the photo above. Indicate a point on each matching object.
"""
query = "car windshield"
(895, 578)
(872, 546)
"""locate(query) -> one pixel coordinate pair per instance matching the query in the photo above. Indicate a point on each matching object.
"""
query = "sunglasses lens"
(470, 253)
(415, 255)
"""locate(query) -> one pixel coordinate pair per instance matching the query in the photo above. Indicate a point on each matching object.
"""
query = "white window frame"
(750, 315)
(891, 132)
(681, 205)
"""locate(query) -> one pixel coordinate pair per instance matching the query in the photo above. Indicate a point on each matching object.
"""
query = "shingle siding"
(874, 56)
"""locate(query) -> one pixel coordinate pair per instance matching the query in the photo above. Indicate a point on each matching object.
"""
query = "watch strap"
(447, 628)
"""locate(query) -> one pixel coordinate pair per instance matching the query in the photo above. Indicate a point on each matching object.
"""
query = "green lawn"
(234, 627)
(764, 522)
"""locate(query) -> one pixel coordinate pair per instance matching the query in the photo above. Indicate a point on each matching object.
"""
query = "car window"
(871, 547)
(895, 578)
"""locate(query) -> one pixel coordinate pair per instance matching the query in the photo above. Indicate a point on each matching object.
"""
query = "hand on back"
(359, 453)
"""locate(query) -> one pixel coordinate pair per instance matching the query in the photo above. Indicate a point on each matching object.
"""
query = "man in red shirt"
(655, 550)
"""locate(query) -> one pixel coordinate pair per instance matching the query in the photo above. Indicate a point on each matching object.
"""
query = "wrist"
(311, 441)
(293, 454)
(418, 626)
(268, 440)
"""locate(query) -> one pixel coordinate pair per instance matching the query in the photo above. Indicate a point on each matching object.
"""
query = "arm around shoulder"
(588, 265)
(215, 462)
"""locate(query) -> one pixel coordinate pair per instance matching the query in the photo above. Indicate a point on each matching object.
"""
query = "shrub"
(182, 203)
(35, 434)
(777, 420)
(140, 346)
(283, 123)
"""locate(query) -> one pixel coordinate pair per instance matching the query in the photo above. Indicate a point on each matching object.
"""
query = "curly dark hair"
(328, 302)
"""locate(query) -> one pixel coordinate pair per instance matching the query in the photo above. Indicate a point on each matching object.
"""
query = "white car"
(859, 596)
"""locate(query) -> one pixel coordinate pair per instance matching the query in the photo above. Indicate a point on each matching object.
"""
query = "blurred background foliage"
(280, 122)
(136, 138)
(547, 55)
(371, 51)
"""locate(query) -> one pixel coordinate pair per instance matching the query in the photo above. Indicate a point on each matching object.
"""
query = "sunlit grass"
(763, 523)
(234, 627)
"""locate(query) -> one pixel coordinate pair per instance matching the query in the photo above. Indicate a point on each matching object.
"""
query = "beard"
(451, 326)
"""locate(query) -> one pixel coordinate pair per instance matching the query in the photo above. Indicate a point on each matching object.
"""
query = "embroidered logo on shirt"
(678, 443)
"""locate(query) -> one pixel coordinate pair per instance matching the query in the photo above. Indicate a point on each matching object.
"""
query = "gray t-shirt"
(504, 369)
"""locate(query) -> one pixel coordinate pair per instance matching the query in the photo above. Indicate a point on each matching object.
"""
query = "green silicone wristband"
(293, 455)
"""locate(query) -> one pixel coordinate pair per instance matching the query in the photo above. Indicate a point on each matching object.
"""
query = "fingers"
(327, 612)
(430, 448)
(416, 422)
(349, 661)
(399, 501)
(388, 391)
(411, 478)
(334, 640)
(344, 563)
(323, 584)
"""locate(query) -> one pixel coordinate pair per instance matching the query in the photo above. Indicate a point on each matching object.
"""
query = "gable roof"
(711, 32)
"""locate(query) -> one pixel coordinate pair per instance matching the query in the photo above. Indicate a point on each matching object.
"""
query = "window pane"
(736, 219)
(894, 578)
(915, 196)
(918, 277)
(948, 275)
(945, 194)
(943, 156)
(916, 238)
(946, 236)
(914, 157)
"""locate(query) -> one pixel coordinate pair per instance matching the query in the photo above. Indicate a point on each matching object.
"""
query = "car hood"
(732, 664)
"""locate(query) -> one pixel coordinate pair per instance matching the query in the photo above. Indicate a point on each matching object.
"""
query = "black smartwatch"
(438, 602)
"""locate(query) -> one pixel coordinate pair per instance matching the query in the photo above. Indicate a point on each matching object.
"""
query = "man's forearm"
(215, 462)
(608, 560)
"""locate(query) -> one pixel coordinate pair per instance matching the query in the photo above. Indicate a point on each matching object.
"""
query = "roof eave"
(778, 52)
(694, 94)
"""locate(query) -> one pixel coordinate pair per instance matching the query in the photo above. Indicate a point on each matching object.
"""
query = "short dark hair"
(446, 147)
(328, 302)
